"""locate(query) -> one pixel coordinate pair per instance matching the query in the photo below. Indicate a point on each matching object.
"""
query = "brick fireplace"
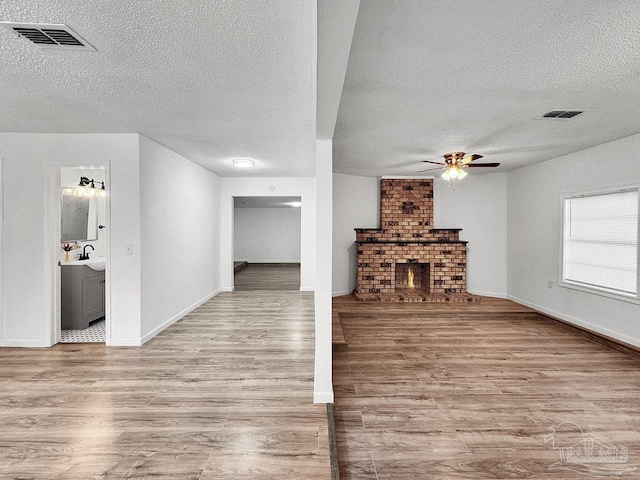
(406, 259)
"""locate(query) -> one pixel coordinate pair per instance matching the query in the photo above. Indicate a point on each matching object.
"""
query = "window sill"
(599, 292)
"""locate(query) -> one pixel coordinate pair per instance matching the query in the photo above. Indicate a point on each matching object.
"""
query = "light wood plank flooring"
(471, 391)
(226, 393)
(268, 276)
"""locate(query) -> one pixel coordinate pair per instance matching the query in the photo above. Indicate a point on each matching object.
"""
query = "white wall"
(179, 227)
(478, 205)
(303, 187)
(267, 235)
(534, 235)
(29, 161)
(355, 205)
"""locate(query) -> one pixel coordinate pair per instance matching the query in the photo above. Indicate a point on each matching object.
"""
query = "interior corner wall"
(267, 235)
(303, 187)
(534, 235)
(355, 205)
(478, 206)
(28, 294)
(180, 267)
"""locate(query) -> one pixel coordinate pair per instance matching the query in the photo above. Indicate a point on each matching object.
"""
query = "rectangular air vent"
(561, 114)
(49, 35)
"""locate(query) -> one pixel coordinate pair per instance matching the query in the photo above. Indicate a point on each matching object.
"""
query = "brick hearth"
(406, 241)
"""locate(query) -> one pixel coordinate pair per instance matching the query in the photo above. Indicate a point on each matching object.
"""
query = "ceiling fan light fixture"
(453, 171)
(455, 164)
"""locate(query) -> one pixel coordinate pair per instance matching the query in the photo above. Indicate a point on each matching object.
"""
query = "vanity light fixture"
(86, 188)
(243, 163)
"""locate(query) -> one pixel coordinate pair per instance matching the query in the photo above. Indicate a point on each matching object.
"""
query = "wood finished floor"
(268, 276)
(471, 391)
(226, 393)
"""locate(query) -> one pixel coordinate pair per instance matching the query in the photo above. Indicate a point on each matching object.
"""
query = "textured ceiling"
(425, 78)
(336, 21)
(211, 80)
(214, 80)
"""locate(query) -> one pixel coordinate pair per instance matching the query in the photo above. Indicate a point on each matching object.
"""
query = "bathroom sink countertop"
(96, 263)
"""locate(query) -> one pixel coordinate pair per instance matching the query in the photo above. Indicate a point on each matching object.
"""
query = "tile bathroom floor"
(96, 333)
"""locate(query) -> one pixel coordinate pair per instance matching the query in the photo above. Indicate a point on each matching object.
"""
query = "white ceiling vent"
(49, 35)
(561, 114)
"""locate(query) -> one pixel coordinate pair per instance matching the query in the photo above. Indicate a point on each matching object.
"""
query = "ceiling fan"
(454, 165)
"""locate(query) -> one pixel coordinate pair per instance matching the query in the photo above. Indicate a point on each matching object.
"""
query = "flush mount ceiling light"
(243, 163)
(454, 165)
(86, 188)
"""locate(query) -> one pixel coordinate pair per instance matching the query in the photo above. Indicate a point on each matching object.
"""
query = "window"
(600, 248)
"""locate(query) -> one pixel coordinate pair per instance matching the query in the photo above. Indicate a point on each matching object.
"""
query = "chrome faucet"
(84, 255)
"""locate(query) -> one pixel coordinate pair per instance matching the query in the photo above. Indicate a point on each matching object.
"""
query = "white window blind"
(601, 241)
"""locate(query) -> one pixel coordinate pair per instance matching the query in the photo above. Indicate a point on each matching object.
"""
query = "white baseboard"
(125, 342)
(576, 321)
(487, 294)
(307, 289)
(26, 343)
(227, 289)
(177, 317)
(270, 262)
(322, 397)
(339, 294)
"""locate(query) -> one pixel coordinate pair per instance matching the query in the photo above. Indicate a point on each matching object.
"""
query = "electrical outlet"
(128, 249)
(550, 284)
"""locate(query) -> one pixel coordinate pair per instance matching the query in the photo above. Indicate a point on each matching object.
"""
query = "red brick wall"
(406, 235)
(406, 207)
(376, 269)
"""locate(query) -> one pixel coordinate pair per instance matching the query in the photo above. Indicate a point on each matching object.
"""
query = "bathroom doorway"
(81, 304)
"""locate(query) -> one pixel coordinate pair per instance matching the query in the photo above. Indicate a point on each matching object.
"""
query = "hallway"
(226, 392)
(268, 276)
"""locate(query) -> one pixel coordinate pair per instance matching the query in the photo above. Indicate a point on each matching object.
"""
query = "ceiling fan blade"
(482, 165)
(430, 169)
(429, 161)
(470, 158)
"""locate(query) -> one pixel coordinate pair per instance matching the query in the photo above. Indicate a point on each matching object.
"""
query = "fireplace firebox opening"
(413, 276)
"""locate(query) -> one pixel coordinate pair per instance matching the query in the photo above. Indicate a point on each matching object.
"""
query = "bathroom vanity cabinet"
(82, 298)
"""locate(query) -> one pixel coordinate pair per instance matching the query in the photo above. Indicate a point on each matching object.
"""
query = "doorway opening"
(267, 243)
(81, 198)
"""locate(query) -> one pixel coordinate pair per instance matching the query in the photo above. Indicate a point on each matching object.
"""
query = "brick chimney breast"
(406, 245)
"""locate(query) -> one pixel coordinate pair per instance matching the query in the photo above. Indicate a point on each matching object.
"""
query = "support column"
(323, 386)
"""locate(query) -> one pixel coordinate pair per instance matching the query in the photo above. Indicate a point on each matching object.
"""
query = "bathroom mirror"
(79, 219)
